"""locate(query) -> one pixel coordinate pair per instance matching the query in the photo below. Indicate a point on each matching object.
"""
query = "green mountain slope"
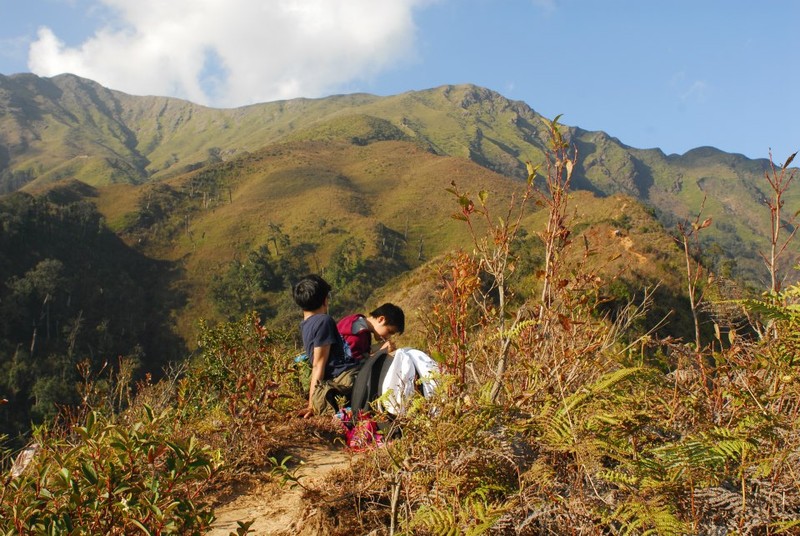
(306, 200)
(219, 211)
(315, 196)
(68, 127)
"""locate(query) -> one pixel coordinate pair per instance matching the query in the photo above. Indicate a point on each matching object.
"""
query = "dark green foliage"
(354, 277)
(346, 264)
(105, 477)
(237, 289)
(71, 290)
(263, 281)
(156, 205)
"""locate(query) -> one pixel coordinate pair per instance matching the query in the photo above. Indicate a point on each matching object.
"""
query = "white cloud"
(548, 6)
(695, 91)
(235, 52)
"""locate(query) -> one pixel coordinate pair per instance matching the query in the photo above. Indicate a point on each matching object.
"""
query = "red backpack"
(360, 341)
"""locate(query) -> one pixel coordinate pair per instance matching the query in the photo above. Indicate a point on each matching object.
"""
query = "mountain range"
(205, 188)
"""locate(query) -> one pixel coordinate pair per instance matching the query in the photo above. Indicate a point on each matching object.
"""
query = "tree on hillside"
(236, 290)
(779, 180)
(688, 238)
(31, 298)
(51, 318)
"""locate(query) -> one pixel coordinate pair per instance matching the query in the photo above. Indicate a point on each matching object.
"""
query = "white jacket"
(408, 366)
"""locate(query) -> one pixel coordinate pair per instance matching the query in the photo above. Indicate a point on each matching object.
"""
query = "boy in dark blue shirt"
(333, 369)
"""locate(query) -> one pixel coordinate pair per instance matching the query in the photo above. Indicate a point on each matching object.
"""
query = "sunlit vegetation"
(562, 405)
(598, 426)
(608, 366)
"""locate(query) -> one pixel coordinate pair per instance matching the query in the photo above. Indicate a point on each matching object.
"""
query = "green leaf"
(89, 473)
(157, 512)
(65, 476)
(141, 527)
(150, 415)
(91, 419)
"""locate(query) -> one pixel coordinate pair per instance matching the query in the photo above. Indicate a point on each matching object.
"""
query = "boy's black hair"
(310, 292)
(393, 314)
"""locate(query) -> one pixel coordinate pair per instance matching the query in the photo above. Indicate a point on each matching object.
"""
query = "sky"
(671, 74)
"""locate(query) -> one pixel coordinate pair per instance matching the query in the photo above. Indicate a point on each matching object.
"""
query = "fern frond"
(439, 521)
(646, 517)
(485, 513)
(688, 454)
(730, 444)
(613, 476)
(605, 383)
(785, 527)
(514, 331)
(735, 449)
(769, 310)
(558, 431)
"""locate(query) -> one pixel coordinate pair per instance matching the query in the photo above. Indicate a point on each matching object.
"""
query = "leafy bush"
(102, 478)
(243, 379)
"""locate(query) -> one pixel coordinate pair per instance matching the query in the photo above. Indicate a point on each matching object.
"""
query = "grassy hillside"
(360, 179)
(389, 194)
(68, 127)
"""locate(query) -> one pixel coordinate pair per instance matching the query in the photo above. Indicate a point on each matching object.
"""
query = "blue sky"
(674, 74)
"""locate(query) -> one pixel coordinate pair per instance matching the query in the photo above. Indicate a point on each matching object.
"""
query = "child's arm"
(319, 362)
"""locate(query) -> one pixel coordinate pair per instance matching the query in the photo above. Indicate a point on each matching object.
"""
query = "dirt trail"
(627, 243)
(277, 510)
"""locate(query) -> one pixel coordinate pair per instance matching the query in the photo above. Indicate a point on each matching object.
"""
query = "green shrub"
(102, 478)
(242, 380)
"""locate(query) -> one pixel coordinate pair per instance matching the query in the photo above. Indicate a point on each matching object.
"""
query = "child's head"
(390, 320)
(310, 292)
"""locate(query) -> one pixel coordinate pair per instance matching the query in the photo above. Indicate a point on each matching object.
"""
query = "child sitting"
(358, 330)
(333, 370)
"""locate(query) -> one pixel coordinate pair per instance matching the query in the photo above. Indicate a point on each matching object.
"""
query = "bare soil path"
(278, 509)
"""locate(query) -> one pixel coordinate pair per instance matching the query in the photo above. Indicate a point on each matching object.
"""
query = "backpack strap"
(387, 362)
(367, 385)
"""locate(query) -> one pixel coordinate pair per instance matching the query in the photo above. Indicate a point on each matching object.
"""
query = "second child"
(358, 330)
